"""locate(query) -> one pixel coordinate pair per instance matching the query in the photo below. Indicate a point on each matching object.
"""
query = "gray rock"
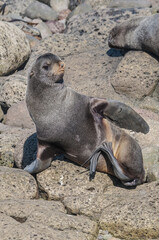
(153, 172)
(44, 30)
(18, 116)
(65, 179)
(129, 4)
(135, 216)
(13, 89)
(15, 48)
(39, 219)
(133, 76)
(9, 138)
(98, 23)
(56, 26)
(17, 184)
(28, 29)
(150, 103)
(59, 5)
(16, 7)
(44, 12)
(81, 9)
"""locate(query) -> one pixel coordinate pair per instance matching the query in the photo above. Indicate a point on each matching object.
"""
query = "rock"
(150, 156)
(129, 4)
(16, 7)
(133, 79)
(15, 48)
(98, 23)
(99, 3)
(18, 116)
(81, 9)
(9, 138)
(44, 30)
(150, 103)
(59, 5)
(1, 114)
(39, 219)
(65, 179)
(63, 14)
(28, 29)
(17, 184)
(56, 26)
(44, 12)
(13, 89)
(33, 41)
(133, 217)
(153, 172)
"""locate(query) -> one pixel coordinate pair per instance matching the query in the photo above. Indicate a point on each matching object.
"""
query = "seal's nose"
(62, 65)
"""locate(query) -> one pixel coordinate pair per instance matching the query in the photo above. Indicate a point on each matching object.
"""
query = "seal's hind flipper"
(93, 165)
(106, 148)
(120, 114)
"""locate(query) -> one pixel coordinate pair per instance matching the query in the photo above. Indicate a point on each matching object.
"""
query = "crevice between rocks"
(19, 219)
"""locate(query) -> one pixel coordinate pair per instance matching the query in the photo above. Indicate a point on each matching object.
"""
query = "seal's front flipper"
(38, 165)
(45, 154)
(120, 114)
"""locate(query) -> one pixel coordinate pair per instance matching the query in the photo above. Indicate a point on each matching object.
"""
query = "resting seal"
(140, 33)
(80, 126)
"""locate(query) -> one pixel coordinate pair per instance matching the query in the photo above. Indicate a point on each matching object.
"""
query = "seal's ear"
(120, 114)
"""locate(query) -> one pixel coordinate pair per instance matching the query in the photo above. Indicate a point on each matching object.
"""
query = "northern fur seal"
(80, 126)
(141, 33)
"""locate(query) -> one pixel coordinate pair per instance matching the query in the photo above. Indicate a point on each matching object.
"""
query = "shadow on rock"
(112, 52)
(29, 150)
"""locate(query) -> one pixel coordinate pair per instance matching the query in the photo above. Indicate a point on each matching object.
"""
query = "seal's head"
(48, 69)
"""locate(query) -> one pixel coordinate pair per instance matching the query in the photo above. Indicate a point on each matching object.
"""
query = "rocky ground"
(61, 203)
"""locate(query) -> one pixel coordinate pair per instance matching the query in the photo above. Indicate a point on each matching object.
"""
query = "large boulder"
(14, 48)
(17, 184)
(13, 89)
(59, 5)
(39, 219)
(18, 116)
(44, 12)
(136, 75)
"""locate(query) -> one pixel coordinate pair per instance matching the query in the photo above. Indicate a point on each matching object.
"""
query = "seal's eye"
(46, 67)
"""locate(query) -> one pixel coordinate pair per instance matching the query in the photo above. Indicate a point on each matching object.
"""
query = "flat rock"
(44, 30)
(18, 116)
(13, 89)
(129, 4)
(134, 77)
(81, 9)
(135, 216)
(59, 5)
(44, 12)
(17, 184)
(65, 179)
(15, 48)
(39, 219)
